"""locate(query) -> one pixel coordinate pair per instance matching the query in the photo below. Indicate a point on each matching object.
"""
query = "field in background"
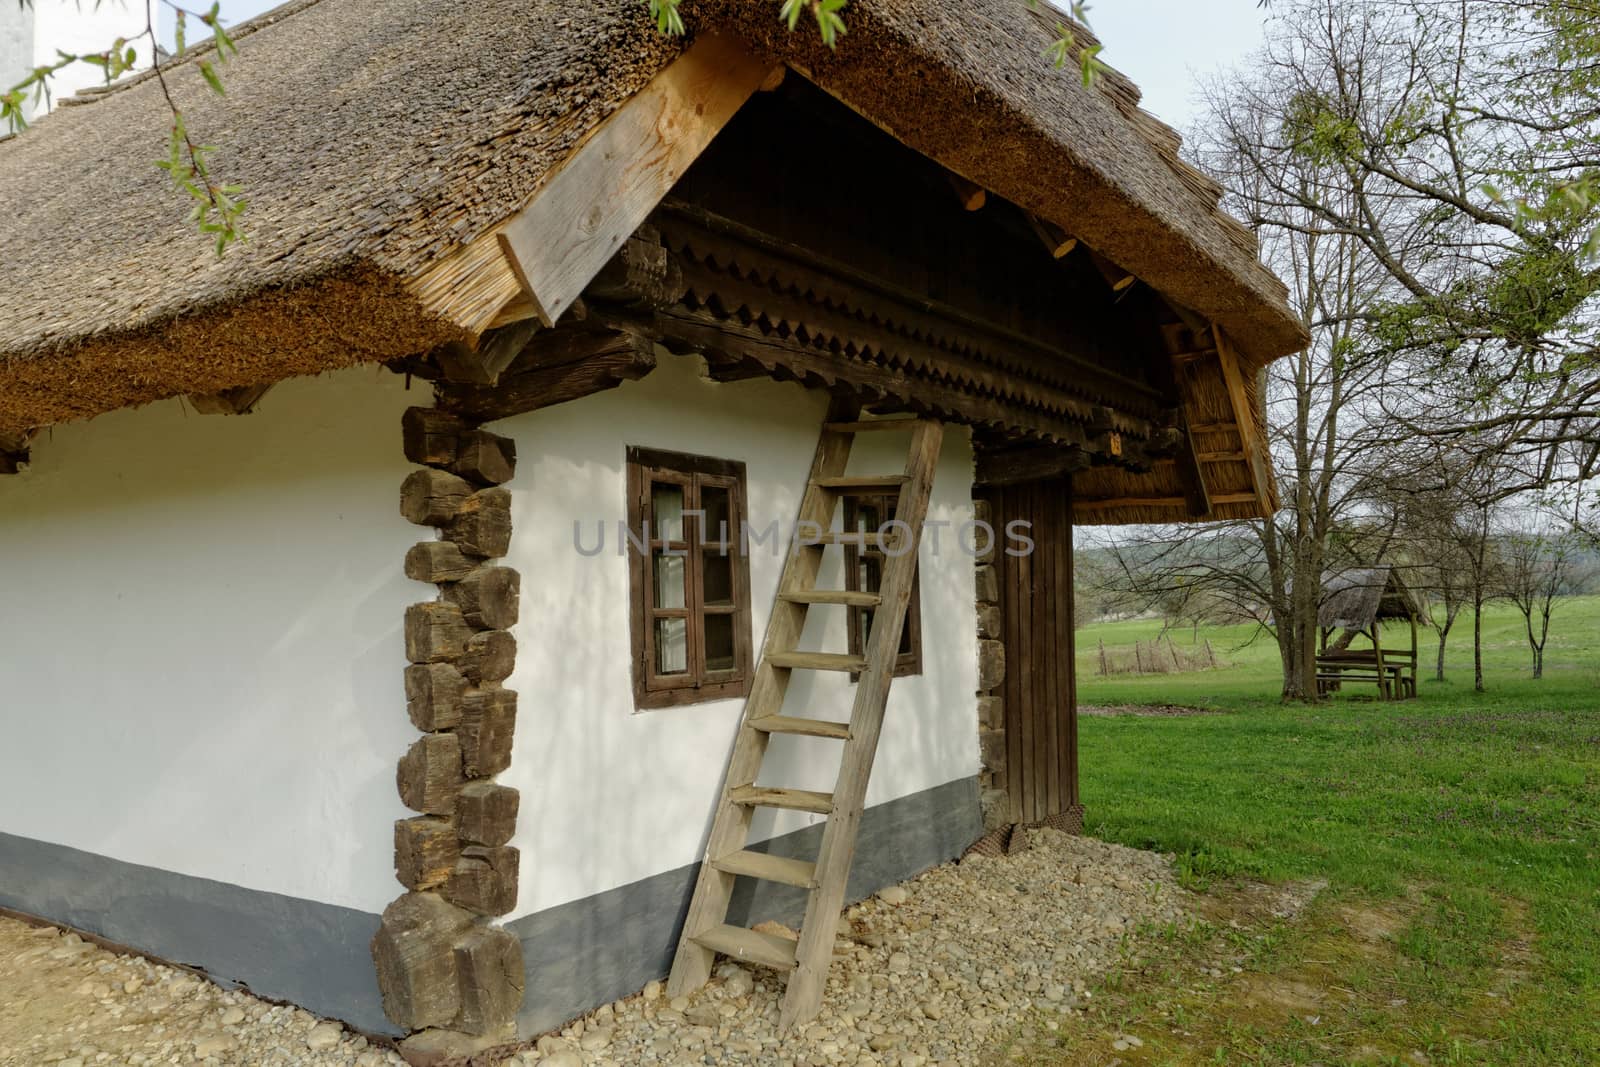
(1458, 834)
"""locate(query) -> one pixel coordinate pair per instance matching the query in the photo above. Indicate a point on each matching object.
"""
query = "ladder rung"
(862, 481)
(848, 597)
(770, 950)
(792, 799)
(856, 538)
(784, 724)
(771, 868)
(818, 661)
(869, 425)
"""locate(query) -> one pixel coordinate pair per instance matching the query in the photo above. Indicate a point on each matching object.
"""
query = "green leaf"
(209, 73)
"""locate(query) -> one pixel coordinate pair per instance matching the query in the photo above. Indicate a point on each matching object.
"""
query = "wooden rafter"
(238, 401)
(1193, 475)
(581, 215)
(1057, 242)
(972, 196)
(1245, 419)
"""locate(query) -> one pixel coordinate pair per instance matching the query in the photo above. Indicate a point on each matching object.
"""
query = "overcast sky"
(1163, 45)
(1168, 46)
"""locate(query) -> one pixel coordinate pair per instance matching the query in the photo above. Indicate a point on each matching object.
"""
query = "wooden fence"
(1158, 656)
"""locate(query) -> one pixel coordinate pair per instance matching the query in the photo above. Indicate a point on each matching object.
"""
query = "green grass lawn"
(1472, 820)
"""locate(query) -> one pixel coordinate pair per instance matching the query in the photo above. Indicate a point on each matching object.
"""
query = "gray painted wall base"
(588, 952)
(314, 955)
(578, 955)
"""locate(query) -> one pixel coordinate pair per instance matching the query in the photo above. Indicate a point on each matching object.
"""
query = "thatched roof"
(1355, 597)
(380, 139)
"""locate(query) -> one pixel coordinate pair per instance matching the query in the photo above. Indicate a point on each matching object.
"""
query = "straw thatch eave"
(1354, 598)
(380, 141)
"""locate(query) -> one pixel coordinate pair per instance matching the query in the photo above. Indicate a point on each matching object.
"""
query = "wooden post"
(1377, 653)
(1105, 668)
(440, 966)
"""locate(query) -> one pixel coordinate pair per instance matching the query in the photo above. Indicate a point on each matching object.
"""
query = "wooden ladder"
(706, 931)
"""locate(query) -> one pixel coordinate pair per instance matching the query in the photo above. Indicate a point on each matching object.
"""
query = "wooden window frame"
(908, 662)
(647, 467)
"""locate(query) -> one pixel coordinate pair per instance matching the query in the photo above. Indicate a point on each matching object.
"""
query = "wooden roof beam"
(1107, 503)
(1119, 279)
(1012, 465)
(14, 451)
(582, 214)
(238, 401)
(971, 195)
(1057, 242)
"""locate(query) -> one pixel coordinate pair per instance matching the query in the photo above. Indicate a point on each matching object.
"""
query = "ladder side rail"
(807, 982)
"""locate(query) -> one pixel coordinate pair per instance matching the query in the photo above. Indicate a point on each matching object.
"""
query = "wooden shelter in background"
(1355, 604)
(531, 260)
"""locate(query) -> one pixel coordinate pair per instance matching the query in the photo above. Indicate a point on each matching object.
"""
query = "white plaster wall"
(611, 795)
(202, 654)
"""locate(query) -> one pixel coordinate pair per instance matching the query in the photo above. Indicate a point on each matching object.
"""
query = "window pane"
(669, 572)
(867, 573)
(717, 572)
(666, 511)
(672, 646)
(720, 527)
(719, 642)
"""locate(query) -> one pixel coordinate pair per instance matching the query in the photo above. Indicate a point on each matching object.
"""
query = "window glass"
(666, 511)
(672, 645)
(719, 643)
(670, 572)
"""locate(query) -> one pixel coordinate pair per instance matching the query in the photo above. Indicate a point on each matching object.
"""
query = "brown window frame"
(647, 467)
(909, 660)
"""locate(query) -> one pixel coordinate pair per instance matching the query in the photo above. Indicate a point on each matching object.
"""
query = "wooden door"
(1041, 715)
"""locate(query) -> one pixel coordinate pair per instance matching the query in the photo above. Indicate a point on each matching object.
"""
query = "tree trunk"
(1438, 670)
(1538, 663)
(1477, 644)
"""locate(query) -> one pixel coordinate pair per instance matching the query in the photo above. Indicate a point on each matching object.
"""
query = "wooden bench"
(1395, 676)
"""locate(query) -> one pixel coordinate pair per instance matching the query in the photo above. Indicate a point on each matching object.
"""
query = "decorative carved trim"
(742, 277)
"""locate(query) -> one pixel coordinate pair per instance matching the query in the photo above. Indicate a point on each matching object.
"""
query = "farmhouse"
(326, 668)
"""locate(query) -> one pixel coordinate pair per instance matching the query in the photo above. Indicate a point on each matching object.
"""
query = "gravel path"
(68, 1003)
(932, 972)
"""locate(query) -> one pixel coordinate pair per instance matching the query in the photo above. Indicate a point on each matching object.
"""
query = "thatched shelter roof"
(382, 141)
(1356, 597)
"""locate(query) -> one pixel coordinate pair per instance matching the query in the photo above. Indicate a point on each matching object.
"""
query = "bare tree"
(1541, 560)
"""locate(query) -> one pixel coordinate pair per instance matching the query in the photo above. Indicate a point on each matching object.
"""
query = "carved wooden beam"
(239, 401)
(484, 364)
(556, 366)
(578, 219)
